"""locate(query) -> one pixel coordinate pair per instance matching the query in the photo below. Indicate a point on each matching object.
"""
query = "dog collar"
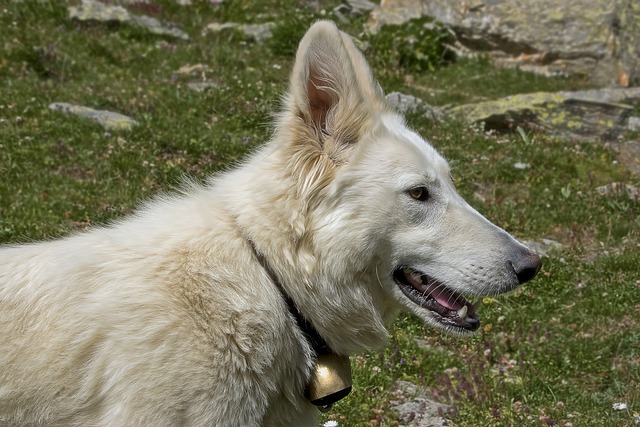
(331, 379)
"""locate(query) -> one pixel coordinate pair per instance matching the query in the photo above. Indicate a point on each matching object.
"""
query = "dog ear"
(332, 89)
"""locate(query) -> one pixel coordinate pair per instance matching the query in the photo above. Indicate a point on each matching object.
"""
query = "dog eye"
(419, 193)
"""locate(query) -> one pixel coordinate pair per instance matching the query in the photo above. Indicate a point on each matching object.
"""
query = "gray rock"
(91, 10)
(543, 36)
(395, 12)
(201, 86)
(108, 119)
(619, 188)
(193, 69)
(355, 6)
(258, 32)
(361, 6)
(626, 38)
(634, 124)
(156, 27)
(544, 246)
(255, 32)
(404, 103)
(216, 27)
(628, 155)
(414, 409)
(584, 115)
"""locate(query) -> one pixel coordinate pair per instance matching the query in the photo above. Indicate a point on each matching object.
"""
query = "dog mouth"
(447, 307)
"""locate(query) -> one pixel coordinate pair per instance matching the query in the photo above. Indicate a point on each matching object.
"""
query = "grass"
(560, 351)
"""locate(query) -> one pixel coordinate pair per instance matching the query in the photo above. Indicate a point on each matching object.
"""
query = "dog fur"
(168, 318)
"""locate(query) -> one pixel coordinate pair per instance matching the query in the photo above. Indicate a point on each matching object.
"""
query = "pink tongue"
(442, 295)
(447, 298)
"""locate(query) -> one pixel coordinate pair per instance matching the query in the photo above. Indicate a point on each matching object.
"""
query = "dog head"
(383, 227)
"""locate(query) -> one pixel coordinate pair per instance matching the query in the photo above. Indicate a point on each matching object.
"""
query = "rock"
(410, 104)
(356, 7)
(395, 12)
(95, 11)
(360, 6)
(216, 27)
(108, 119)
(619, 188)
(544, 36)
(628, 155)
(195, 69)
(201, 86)
(352, 7)
(156, 27)
(255, 32)
(584, 115)
(634, 124)
(414, 408)
(90, 10)
(258, 32)
(544, 246)
(626, 29)
(404, 103)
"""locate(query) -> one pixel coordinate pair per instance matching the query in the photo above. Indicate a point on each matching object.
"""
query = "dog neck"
(336, 388)
(317, 343)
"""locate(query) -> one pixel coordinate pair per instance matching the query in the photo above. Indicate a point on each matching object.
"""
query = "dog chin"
(436, 303)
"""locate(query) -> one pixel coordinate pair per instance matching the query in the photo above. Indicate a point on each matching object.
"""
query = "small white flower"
(330, 424)
(619, 406)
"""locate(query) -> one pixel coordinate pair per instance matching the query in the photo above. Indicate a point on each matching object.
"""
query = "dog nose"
(526, 266)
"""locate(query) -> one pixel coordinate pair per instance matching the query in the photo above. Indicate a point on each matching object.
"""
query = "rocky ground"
(580, 37)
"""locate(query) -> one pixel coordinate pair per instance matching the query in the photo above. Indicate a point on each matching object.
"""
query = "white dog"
(188, 312)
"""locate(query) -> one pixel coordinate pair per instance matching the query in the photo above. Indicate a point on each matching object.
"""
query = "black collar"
(317, 343)
(324, 355)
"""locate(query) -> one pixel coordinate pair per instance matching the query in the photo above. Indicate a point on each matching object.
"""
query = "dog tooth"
(416, 276)
(462, 313)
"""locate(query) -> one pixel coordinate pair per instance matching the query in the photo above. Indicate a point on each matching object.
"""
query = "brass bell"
(330, 381)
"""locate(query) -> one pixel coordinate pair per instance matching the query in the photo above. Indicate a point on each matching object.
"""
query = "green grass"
(561, 350)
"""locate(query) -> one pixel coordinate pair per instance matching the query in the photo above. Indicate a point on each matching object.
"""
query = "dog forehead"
(408, 147)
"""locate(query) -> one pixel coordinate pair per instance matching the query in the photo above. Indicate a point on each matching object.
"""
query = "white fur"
(167, 318)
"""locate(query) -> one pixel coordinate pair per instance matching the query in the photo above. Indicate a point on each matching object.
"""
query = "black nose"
(526, 266)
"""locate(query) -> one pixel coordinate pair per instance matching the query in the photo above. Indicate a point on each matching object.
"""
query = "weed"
(419, 45)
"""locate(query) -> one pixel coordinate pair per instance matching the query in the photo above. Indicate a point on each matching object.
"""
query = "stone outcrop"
(410, 104)
(628, 154)
(584, 115)
(627, 41)
(598, 39)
